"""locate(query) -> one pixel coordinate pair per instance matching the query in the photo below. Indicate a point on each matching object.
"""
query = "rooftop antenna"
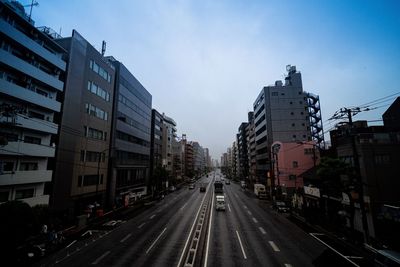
(103, 48)
(33, 3)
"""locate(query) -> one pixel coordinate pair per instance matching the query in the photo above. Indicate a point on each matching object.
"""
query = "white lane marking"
(249, 212)
(191, 229)
(244, 206)
(315, 236)
(140, 226)
(155, 241)
(274, 247)
(241, 246)
(288, 265)
(73, 242)
(229, 207)
(209, 230)
(152, 216)
(255, 220)
(183, 206)
(125, 238)
(262, 230)
(101, 257)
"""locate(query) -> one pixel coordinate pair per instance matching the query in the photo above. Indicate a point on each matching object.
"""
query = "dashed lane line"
(183, 206)
(152, 216)
(288, 265)
(274, 247)
(140, 226)
(125, 238)
(249, 212)
(262, 230)
(229, 207)
(255, 220)
(101, 257)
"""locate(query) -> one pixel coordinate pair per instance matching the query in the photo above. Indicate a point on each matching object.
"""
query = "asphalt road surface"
(247, 233)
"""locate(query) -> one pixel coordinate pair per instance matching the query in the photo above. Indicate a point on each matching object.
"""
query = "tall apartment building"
(198, 158)
(243, 162)
(189, 168)
(32, 73)
(251, 149)
(80, 177)
(281, 113)
(169, 137)
(130, 139)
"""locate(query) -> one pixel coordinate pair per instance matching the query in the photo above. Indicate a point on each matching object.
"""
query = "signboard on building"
(312, 191)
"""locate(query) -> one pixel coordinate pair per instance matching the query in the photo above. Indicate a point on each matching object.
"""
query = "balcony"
(27, 149)
(25, 177)
(31, 45)
(24, 94)
(30, 70)
(25, 122)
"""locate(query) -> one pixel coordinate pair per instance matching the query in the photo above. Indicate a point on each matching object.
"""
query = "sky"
(205, 62)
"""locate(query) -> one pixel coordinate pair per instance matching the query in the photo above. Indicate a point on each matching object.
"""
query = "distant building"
(32, 75)
(169, 137)
(243, 158)
(130, 144)
(80, 177)
(251, 149)
(189, 158)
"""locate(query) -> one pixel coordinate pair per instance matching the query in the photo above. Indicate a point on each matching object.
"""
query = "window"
(291, 113)
(7, 166)
(308, 151)
(96, 112)
(100, 71)
(302, 113)
(300, 102)
(32, 140)
(87, 180)
(28, 166)
(293, 124)
(92, 156)
(82, 155)
(294, 136)
(94, 133)
(291, 102)
(95, 89)
(33, 114)
(382, 159)
(274, 94)
(24, 193)
(4, 196)
(295, 164)
(10, 137)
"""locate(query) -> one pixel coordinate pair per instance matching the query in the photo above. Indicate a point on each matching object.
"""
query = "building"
(243, 158)
(251, 150)
(156, 150)
(189, 158)
(282, 113)
(130, 138)
(198, 158)
(32, 73)
(80, 177)
(169, 136)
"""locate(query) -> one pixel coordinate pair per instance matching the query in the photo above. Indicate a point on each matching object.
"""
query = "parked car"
(191, 186)
(281, 206)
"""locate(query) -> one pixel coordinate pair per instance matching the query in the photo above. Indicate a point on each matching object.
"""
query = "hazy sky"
(205, 62)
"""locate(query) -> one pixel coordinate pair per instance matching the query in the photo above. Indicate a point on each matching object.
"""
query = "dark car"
(281, 206)
(203, 188)
(191, 186)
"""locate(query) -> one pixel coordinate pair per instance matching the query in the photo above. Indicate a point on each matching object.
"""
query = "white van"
(220, 203)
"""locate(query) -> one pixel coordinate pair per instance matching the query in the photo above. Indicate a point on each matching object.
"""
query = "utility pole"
(349, 113)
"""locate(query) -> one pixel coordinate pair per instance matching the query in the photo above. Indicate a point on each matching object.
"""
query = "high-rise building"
(130, 140)
(243, 161)
(251, 149)
(169, 136)
(282, 113)
(32, 73)
(156, 150)
(80, 177)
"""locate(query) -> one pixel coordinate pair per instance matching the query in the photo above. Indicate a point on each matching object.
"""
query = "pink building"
(291, 160)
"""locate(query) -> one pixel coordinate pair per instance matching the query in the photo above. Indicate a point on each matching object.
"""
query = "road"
(247, 233)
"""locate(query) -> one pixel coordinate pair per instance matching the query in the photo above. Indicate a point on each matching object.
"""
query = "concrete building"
(251, 149)
(198, 158)
(80, 177)
(282, 113)
(189, 158)
(32, 73)
(243, 158)
(130, 140)
(168, 140)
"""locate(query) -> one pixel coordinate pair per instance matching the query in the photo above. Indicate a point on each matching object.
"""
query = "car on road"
(203, 188)
(281, 206)
(191, 186)
(227, 181)
(220, 203)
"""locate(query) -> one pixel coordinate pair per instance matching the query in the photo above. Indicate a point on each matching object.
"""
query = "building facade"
(80, 177)
(130, 139)
(156, 150)
(32, 73)
(280, 114)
